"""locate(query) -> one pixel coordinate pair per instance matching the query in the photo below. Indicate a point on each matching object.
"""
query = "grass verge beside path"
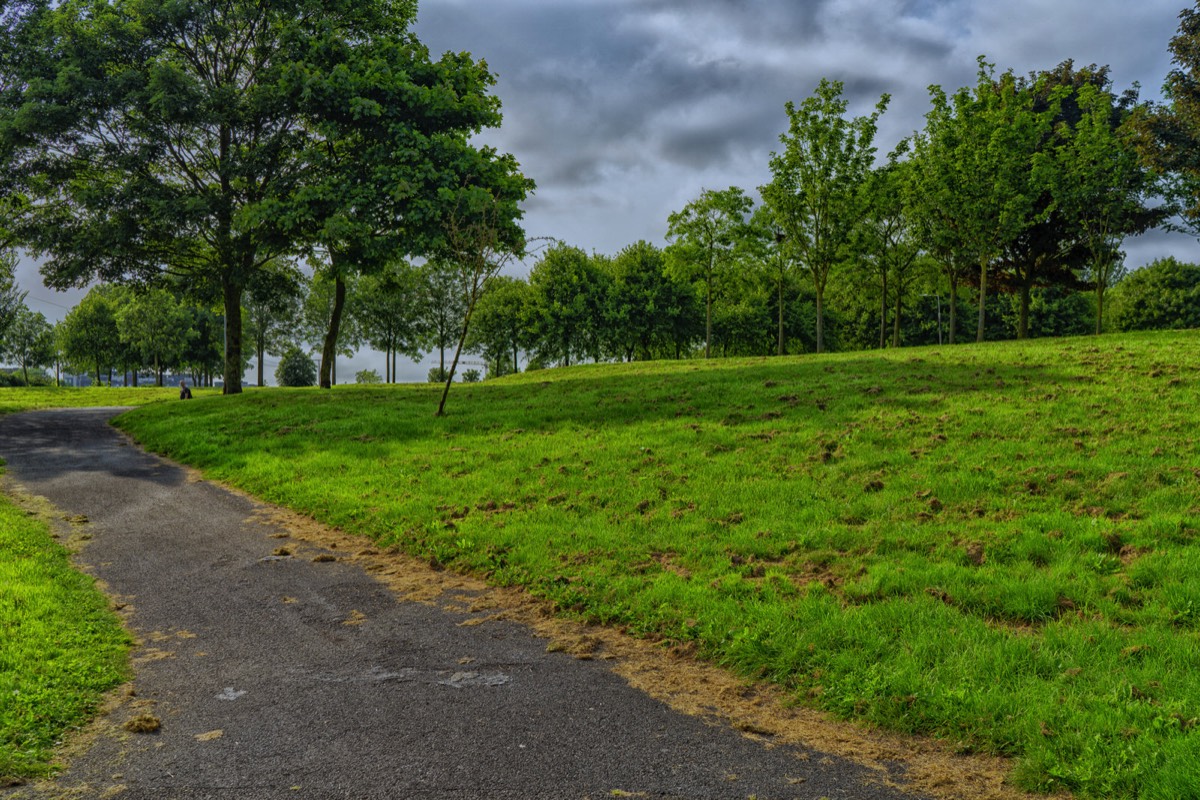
(996, 545)
(61, 648)
(32, 398)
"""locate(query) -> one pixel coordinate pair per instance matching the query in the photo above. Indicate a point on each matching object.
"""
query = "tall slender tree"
(817, 180)
(705, 236)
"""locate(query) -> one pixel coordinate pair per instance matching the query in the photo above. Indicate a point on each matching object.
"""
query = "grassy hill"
(997, 545)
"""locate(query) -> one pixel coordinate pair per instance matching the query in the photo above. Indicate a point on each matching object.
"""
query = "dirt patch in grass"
(759, 710)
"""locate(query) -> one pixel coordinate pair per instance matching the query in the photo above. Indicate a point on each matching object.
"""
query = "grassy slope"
(992, 544)
(61, 648)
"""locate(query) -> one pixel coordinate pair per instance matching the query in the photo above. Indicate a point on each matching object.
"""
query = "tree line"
(153, 153)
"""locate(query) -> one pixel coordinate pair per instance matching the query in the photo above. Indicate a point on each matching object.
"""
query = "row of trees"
(205, 148)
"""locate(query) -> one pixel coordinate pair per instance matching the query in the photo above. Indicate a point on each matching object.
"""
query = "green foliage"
(438, 375)
(705, 239)
(12, 299)
(500, 327)
(367, 376)
(568, 290)
(992, 545)
(816, 190)
(61, 648)
(390, 309)
(647, 309)
(30, 341)
(471, 376)
(1163, 295)
(88, 335)
(154, 325)
(296, 368)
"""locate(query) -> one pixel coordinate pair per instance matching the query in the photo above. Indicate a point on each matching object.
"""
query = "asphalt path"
(283, 677)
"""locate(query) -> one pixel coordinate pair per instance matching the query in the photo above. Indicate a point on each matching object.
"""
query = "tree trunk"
(708, 313)
(1023, 316)
(1099, 309)
(232, 292)
(883, 309)
(982, 300)
(454, 364)
(329, 350)
(896, 321)
(260, 352)
(779, 349)
(820, 318)
(953, 308)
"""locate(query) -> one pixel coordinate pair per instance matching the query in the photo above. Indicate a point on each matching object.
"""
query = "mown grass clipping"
(996, 545)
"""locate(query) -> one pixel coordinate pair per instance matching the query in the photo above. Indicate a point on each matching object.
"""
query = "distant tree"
(90, 337)
(500, 330)
(816, 189)
(203, 352)
(272, 310)
(568, 290)
(705, 236)
(367, 376)
(30, 341)
(482, 236)
(1163, 295)
(296, 368)
(442, 306)
(321, 297)
(471, 376)
(389, 307)
(889, 240)
(156, 327)
(644, 302)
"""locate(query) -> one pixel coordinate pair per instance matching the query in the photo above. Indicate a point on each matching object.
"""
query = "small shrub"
(471, 376)
(296, 368)
(367, 376)
(438, 375)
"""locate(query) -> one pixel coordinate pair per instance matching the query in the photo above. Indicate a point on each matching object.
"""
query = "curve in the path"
(276, 676)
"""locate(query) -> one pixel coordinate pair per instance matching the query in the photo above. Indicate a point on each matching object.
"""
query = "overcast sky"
(622, 111)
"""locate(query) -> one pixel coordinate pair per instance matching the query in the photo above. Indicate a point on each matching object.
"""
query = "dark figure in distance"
(184, 392)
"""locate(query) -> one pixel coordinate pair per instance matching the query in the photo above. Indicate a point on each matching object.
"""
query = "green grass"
(995, 545)
(61, 648)
(38, 397)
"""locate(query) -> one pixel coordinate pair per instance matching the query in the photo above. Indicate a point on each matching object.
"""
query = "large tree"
(395, 159)
(817, 180)
(1169, 135)
(973, 173)
(208, 139)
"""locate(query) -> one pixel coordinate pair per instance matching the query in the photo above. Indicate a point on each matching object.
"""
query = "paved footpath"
(280, 677)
